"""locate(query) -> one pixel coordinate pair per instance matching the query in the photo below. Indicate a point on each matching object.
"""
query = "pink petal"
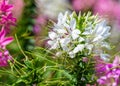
(2, 34)
(7, 41)
(116, 61)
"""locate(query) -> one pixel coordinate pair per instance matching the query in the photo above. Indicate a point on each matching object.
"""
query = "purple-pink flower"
(5, 7)
(18, 7)
(110, 73)
(105, 8)
(4, 54)
(4, 58)
(6, 16)
(6, 20)
(39, 23)
(79, 5)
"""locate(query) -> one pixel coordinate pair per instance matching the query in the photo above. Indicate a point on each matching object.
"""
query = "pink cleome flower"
(4, 58)
(111, 73)
(6, 16)
(4, 54)
(6, 20)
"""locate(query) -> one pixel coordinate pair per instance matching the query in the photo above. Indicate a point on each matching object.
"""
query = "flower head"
(111, 74)
(4, 54)
(4, 58)
(5, 7)
(6, 15)
(6, 20)
(68, 36)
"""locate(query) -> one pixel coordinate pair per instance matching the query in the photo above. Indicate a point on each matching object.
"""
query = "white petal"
(71, 54)
(61, 31)
(105, 30)
(58, 53)
(98, 38)
(98, 30)
(106, 45)
(60, 16)
(50, 42)
(73, 24)
(55, 45)
(52, 35)
(81, 39)
(75, 34)
(65, 41)
(79, 47)
(105, 57)
(89, 47)
(65, 48)
(88, 31)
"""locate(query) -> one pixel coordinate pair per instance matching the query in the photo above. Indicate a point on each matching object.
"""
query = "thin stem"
(17, 70)
(4, 71)
(20, 69)
(19, 63)
(20, 47)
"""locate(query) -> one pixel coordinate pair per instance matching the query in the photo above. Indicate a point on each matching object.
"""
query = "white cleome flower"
(66, 37)
(64, 33)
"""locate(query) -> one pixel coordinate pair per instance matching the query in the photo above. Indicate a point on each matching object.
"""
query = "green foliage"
(41, 70)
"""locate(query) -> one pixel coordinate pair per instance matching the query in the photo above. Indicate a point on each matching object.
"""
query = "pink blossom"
(4, 54)
(116, 13)
(85, 59)
(4, 40)
(104, 7)
(39, 23)
(6, 20)
(82, 4)
(5, 7)
(99, 66)
(6, 16)
(18, 7)
(111, 75)
(4, 58)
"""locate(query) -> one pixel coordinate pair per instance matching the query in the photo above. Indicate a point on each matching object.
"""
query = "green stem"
(20, 47)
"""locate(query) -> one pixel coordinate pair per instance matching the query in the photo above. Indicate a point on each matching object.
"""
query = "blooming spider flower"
(4, 54)
(4, 58)
(111, 73)
(6, 16)
(71, 37)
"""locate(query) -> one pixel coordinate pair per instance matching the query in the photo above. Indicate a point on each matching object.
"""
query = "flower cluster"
(6, 16)
(68, 36)
(6, 20)
(4, 58)
(111, 73)
(4, 54)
